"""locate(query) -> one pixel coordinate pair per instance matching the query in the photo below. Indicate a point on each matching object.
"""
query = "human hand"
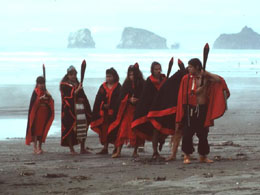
(133, 100)
(79, 88)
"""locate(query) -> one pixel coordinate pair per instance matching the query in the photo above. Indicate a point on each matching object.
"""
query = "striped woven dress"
(81, 120)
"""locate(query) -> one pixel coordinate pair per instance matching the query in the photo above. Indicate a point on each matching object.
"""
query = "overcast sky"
(47, 23)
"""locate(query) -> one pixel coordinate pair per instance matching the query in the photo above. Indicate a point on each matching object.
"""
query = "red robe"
(216, 99)
(121, 127)
(40, 117)
(102, 118)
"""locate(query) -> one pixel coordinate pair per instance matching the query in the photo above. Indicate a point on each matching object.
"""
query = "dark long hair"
(113, 72)
(138, 78)
(153, 65)
(40, 80)
(196, 63)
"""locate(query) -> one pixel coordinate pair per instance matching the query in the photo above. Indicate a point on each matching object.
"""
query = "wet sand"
(235, 149)
(236, 169)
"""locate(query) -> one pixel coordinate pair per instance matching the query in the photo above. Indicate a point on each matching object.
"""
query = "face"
(157, 70)
(109, 78)
(192, 69)
(131, 76)
(72, 76)
(41, 85)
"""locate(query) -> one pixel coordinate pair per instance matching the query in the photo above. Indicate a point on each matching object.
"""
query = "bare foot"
(205, 159)
(84, 151)
(170, 158)
(35, 150)
(157, 156)
(40, 151)
(114, 151)
(116, 155)
(103, 151)
(186, 159)
(73, 153)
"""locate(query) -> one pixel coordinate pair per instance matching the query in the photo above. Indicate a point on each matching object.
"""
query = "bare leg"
(72, 151)
(106, 146)
(82, 146)
(40, 151)
(83, 150)
(118, 152)
(161, 140)
(104, 150)
(155, 144)
(171, 142)
(135, 154)
(115, 149)
(35, 150)
(176, 142)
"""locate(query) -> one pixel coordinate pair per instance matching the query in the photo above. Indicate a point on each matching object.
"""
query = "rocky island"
(81, 39)
(137, 38)
(246, 39)
(175, 46)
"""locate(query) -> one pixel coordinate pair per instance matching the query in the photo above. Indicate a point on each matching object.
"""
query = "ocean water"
(22, 67)
(19, 70)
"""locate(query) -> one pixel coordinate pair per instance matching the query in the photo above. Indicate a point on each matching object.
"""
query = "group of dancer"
(182, 105)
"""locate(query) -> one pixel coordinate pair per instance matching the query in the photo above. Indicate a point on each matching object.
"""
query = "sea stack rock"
(246, 39)
(175, 46)
(81, 39)
(136, 38)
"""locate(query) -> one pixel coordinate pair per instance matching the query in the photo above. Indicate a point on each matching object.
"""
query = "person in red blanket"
(105, 106)
(199, 103)
(40, 115)
(129, 95)
(162, 113)
(76, 112)
(141, 124)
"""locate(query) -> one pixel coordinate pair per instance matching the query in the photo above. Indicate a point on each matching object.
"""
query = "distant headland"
(247, 38)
